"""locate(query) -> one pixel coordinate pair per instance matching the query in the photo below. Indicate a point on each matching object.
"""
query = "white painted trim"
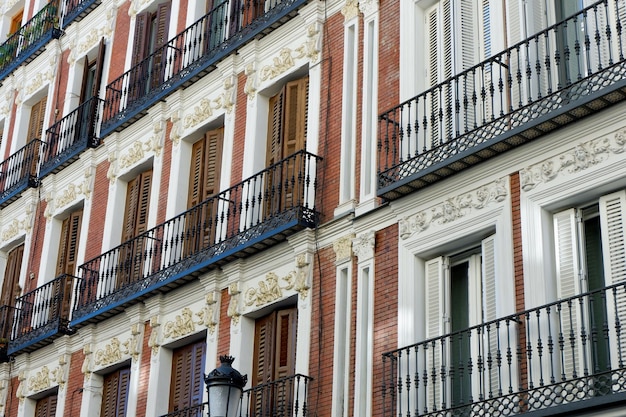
(363, 364)
(342, 337)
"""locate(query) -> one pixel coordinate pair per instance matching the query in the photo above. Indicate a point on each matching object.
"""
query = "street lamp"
(225, 387)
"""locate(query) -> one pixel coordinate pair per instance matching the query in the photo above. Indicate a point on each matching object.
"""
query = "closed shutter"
(495, 375)
(16, 22)
(159, 60)
(140, 40)
(187, 382)
(122, 392)
(275, 124)
(97, 79)
(35, 124)
(264, 344)
(46, 407)
(115, 393)
(12, 276)
(68, 246)
(436, 325)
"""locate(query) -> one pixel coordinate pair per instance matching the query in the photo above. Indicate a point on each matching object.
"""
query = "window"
(16, 22)
(66, 262)
(10, 283)
(35, 124)
(204, 181)
(286, 136)
(187, 384)
(274, 358)
(115, 393)
(134, 223)
(459, 293)
(151, 31)
(46, 406)
(589, 248)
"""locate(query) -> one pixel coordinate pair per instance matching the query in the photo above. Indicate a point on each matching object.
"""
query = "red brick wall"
(518, 260)
(98, 211)
(122, 39)
(34, 258)
(182, 16)
(74, 395)
(223, 337)
(59, 89)
(12, 403)
(144, 371)
(385, 307)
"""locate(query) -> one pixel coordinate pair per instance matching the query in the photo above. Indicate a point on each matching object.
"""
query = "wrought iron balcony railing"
(285, 397)
(42, 315)
(567, 353)
(28, 42)
(71, 135)
(553, 78)
(256, 213)
(191, 54)
(19, 171)
(6, 322)
(75, 10)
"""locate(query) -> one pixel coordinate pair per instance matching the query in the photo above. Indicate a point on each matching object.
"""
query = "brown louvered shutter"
(16, 22)
(286, 324)
(122, 392)
(115, 393)
(130, 212)
(35, 124)
(68, 245)
(274, 133)
(140, 40)
(195, 174)
(295, 110)
(213, 161)
(186, 387)
(46, 407)
(144, 202)
(162, 20)
(264, 349)
(12, 276)
(97, 79)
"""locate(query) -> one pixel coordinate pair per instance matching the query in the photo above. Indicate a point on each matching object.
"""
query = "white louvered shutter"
(490, 345)
(436, 314)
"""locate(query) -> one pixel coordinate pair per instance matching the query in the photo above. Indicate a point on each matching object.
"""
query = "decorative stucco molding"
(20, 393)
(136, 6)
(251, 82)
(18, 226)
(285, 60)
(368, 7)
(9, 4)
(269, 289)
(5, 108)
(204, 110)
(3, 394)
(86, 368)
(73, 192)
(350, 10)
(92, 39)
(139, 150)
(44, 378)
(182, 325)
(176, 131)
(112, 171)
(154, 342)
(131, 346)
(233, 306)
(454, 208)
(343, 248)
(579, 158)
(38, 81)
(110, 354)
(363, 245)
(208, 315)
(302, 284)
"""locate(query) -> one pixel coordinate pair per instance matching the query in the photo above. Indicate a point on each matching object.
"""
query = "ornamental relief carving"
(270, 289)
(251, 86)
(20, 393)
(8, 99)
(44, 378)
(182, 325)
(115, 351)
(176, 131)
(363, 245)
(454, 208)
(208, 315)
(92, 39)
(343, 248)
(233, 305)
(581, 157)
(139, 150)
(285, 60)
(350, 10)
(368, 6)
(153, 341)
(204, 110)
(17, 227)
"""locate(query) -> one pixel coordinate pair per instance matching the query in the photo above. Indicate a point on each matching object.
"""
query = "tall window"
(16, 22)
(459, 293)
(46, 406)
(10, 283)
(204, 181)
(66, 261)
(35, 123)
(115, 393)
(286, 136)
(134, 223)
(187, 384)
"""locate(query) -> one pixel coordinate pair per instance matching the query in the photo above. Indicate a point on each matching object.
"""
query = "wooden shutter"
(162, 24)
(143, 202)
(286, 325)
(436, 315)
(140, 39)
(296, 99)
(46, 407)
(35, 124)
(264, 345)
(16, 22)
(187, 382)
(68, 246)
(115, 394)
(206, 164)
(12, 276)
(274, 134)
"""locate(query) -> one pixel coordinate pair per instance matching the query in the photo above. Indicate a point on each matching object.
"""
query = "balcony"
(42, 315)
(285, 397)
(570, 70)
(30, 40)
(76, 10)
(68, 137)
(190, 55)
(257, 213)
(6, 321)
(564, 356)
(19, 172)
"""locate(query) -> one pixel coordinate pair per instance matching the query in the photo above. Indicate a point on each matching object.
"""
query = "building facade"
(378, 208)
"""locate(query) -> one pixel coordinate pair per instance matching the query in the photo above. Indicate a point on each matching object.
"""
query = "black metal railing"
(42, 313)
(21, 45)
(189, 55)
(199, 410)
(76, 9)
(71, 135)
(277, 201)
(550, 70)
(285, 397)
(560, 353)
(19, 171)
(6, 323)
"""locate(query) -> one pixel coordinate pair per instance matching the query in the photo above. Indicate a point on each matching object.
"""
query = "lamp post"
(225, 387)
